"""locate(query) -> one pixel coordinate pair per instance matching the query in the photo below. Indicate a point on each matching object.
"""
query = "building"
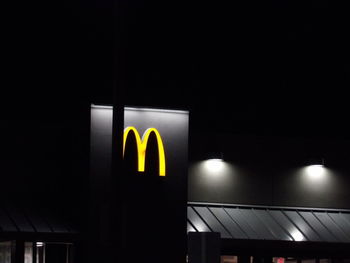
(240, 197)
(273, 198)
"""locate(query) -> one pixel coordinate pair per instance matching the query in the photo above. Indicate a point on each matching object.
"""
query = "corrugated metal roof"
(13, 220)
(270, 223)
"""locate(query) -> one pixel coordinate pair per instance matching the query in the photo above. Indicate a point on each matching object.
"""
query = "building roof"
(16, 222)
(270, 223)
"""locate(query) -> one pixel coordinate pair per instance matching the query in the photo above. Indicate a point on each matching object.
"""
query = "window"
(5, 252)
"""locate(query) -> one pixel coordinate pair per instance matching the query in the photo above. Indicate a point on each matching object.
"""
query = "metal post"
(34, 252)
(17, 251)
(117, 202)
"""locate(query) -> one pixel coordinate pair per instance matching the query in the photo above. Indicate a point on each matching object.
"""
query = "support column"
(204, 247)
(34, 252)
(17, 251)
(262, 259)
(243, 259)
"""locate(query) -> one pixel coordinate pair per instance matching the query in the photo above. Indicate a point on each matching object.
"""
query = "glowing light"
(155, 110)
(141, 145)
(39, 244)
(214, 165)
(297, 236)
(315, 171)
(94, 106)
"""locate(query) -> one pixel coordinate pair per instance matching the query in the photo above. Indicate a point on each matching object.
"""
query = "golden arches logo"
(141, 144)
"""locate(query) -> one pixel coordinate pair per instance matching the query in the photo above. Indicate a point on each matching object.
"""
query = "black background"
(247, 67)
(275, 67)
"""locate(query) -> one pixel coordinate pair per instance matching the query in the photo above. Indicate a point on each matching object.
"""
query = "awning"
(30, 223)
(270, 223)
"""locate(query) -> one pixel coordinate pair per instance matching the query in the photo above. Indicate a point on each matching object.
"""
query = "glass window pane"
(228, 259)
(5, 252)
(28, 252)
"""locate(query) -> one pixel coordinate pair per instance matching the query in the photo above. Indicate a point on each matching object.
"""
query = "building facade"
(157, 191)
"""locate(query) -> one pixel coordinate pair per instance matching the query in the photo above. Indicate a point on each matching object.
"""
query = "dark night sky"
(272, 67)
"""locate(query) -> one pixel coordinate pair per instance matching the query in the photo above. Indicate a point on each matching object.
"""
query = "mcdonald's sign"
(141, 144)
(155, 141)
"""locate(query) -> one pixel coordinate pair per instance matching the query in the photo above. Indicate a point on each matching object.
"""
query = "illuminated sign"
(141, 144)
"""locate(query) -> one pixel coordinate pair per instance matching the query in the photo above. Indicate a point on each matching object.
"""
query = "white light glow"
(39, 244)
(94, 106)
(154, 110)
(200, 226)
(315, 171)
(297, 236)
(214, 165)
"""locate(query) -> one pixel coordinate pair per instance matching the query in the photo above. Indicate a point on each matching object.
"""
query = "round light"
(214, 165)
(315, 171)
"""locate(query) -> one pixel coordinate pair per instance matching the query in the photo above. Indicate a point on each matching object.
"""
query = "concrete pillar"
(204, 247)
(17, 251)
(243, 259)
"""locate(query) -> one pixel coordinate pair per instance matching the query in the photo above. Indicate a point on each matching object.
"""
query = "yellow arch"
(141, 145)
